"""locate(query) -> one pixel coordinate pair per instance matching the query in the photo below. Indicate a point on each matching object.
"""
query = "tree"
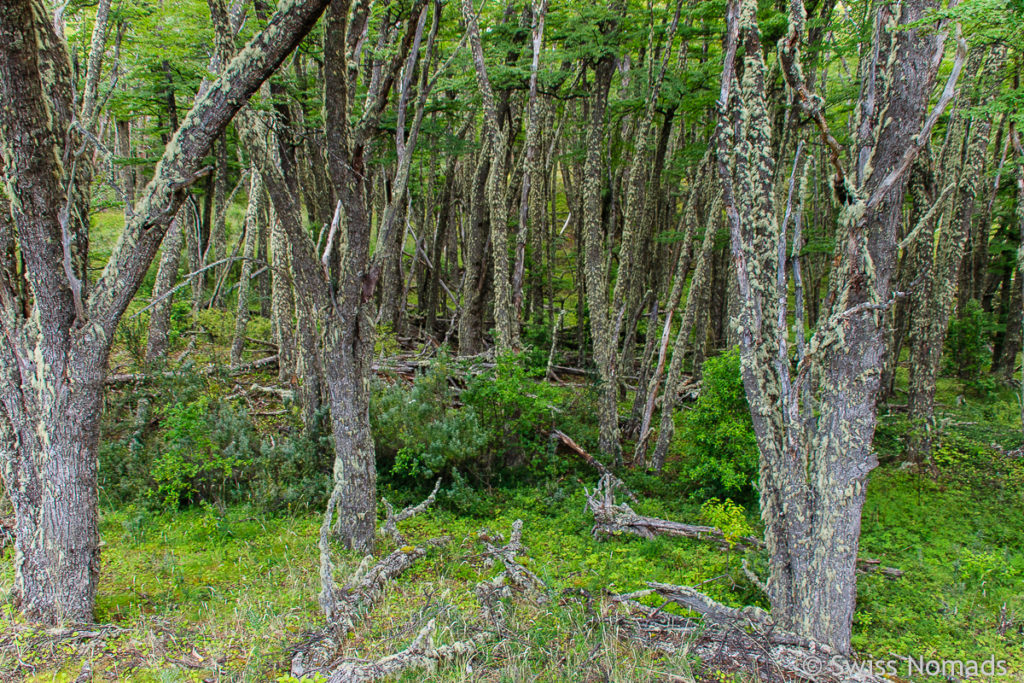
(814, 426)
(57, 328)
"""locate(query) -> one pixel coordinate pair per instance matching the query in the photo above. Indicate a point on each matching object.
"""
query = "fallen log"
(611, 519)
(744, 637)
(144, 377)
(422, 653)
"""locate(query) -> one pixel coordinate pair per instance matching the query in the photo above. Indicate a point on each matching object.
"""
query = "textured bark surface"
(595, 264)
(496, 135)
(253, 214)
(814, 428)
(163, 288)
(943, 243)
(56, 337)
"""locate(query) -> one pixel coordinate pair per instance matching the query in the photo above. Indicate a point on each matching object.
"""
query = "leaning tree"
(56, 327)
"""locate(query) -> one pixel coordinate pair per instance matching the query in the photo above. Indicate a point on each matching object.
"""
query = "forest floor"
(200, 597)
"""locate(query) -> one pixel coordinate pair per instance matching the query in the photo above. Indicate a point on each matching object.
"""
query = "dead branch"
(390, 527)
(421, 654)
(569, 443)
(144, 377)
(611, 519)
(365, 587)
(730, 638)
(711, 609)
(517, 576)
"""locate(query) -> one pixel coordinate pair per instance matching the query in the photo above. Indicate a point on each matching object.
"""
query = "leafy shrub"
(218, 324)
(495, 429)
(967, 342)
(515, 413)
(203, 450)
(727, 516)
(294, 472)
(720, 449)
(421, 428)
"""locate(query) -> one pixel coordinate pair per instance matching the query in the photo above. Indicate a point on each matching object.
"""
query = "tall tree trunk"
(252, 228)
(815, 440)
(962, 161)
(56, 340)
(282, 303)
(505, 316)
(217, 247)
(596, 267)
(471, 319)
(166, 276)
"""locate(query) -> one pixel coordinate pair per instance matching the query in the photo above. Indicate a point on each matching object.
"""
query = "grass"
(207, 596)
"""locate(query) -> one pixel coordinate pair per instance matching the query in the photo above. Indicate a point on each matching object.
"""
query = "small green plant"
(422, 427)
(516, 414)
(727, 516)
(306, 678)
(130, 335)
(385, 341)
(967, 344)
(204, 447)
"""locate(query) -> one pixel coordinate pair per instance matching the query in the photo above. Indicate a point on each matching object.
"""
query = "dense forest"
(663, 340)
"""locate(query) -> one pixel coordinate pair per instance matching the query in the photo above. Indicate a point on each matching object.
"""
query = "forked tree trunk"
(815, 439)
(56, 337)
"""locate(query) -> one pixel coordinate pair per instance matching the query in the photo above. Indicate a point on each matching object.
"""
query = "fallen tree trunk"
(365, 587)
(611, 519)
(569, 443)
(745, 638)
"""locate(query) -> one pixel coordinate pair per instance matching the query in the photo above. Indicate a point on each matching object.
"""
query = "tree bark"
(815, 440)
(53, 359)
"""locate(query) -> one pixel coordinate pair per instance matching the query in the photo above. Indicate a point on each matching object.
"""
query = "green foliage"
(218, 324)
(421, 427)
(203, 450)
(293, 473)
(130, 334)
(719, 446)
(516, 414)
(490, 428)
(385, 341)
(967, 344)
(727, 516)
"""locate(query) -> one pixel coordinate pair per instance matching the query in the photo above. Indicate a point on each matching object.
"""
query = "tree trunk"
(962, 161)
(55, 342)
(252, 229)
(815, 440)
(596, 267)
(166, 276)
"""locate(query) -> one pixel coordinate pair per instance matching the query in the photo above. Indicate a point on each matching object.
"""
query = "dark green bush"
(293, 469)
(421, 428)
(967, 343)
(719, 446)
(204, 449)
(494, 429)
(516, 414)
